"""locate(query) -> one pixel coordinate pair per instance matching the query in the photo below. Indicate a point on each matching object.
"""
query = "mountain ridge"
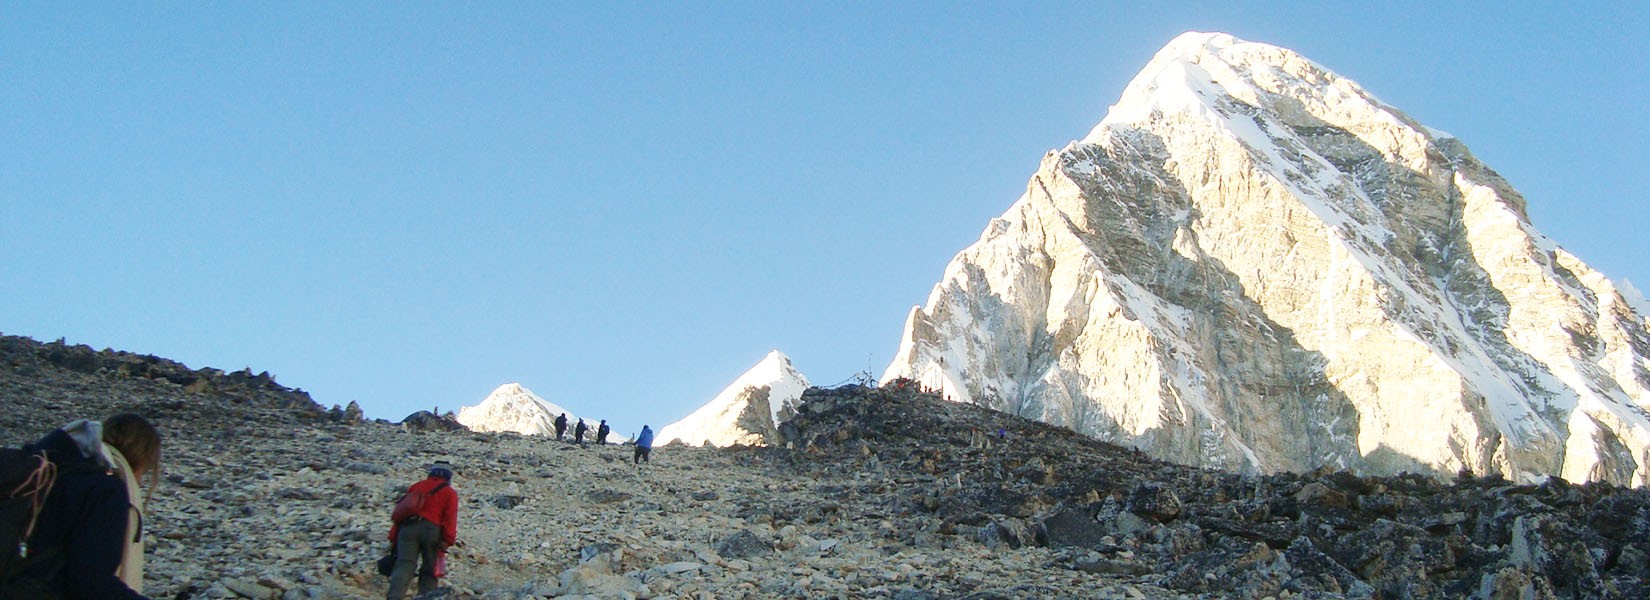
(1252, 263)
(874, 493)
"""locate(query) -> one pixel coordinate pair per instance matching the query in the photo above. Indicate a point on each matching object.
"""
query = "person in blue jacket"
(87, 543)
(644, 445)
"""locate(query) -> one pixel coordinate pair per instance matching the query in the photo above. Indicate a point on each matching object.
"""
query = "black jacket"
(82, 526)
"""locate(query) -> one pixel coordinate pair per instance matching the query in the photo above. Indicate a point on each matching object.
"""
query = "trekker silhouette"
(421, 540)
(644, 446)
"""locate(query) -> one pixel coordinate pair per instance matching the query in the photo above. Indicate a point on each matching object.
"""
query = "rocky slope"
(1252, 263)
(870, 493)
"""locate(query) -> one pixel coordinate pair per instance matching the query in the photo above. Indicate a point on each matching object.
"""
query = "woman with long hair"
(88, 540)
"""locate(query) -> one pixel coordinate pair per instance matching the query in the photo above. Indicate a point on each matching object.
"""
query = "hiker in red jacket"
(424, 537)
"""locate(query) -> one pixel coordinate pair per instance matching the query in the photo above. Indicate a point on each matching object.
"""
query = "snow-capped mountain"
(1636, 299)
(512, 407)
(1253, 263)
(748, 411)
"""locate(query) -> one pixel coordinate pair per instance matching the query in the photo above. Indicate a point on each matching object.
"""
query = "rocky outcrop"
(28, 357)
(349, 415)
(1010, 484)
(1253, 264)
(425, 421)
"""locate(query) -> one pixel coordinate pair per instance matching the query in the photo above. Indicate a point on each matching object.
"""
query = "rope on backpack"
(36, 485)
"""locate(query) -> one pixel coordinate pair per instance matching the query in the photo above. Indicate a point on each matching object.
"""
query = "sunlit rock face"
(1252, 263)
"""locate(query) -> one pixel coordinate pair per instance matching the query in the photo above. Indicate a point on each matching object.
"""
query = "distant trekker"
(421, 540)
(578, 432)
(644, 446)
(601, 432)
(561, 426)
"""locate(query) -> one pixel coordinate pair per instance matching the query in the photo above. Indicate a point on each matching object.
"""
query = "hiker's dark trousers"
(415, 550)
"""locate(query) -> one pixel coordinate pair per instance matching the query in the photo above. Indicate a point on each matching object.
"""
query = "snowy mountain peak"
(748, 411)
(512, 407)
(775, 365)
(1635, 299)
(1252, 263)
(1220, 78)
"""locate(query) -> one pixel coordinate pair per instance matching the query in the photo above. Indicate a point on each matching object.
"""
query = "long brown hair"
(139, 442)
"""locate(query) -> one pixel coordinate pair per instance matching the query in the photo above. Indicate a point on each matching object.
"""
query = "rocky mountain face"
(511, 407)
(748, 411)
(1254, 264)
(866, 493)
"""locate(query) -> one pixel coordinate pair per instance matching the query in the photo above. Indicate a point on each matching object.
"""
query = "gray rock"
(248, 589)
(1154, 501)
(361, 467)
(1075, 528)
(607, 496)
(743, 544)
(1011, 533)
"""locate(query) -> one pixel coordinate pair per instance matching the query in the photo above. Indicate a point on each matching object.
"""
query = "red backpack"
(408, 506)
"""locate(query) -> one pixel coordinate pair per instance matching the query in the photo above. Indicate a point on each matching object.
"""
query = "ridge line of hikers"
(644, 440)
(578, 431)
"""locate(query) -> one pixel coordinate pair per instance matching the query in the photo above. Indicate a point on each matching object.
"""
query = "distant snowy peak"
(1635, 299)
(512, 407)
(748, 411)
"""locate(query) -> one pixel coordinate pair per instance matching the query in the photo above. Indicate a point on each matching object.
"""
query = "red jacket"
(440, 508)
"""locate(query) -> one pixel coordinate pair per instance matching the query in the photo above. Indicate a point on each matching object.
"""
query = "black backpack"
(25, 480)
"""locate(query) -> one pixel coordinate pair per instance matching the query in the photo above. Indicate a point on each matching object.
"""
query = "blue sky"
(623, 206)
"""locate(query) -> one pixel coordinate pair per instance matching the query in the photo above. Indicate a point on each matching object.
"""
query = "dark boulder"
(427, 422)
(743, 544)
(1075, 528)
(1154, 501)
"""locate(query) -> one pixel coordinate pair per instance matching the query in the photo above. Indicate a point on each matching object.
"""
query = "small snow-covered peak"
(512, 407)
(1439, 134)
(747, 411)
(773, 366)
(1192, 44)
(1635, 299)
(1190, 76)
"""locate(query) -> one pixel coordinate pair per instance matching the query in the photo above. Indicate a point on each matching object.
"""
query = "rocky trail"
(875, 493)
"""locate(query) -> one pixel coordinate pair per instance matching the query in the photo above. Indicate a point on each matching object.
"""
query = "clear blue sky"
(624, 206)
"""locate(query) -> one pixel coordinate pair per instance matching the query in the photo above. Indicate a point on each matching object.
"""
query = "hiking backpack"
(25, 480)
(410, 503)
